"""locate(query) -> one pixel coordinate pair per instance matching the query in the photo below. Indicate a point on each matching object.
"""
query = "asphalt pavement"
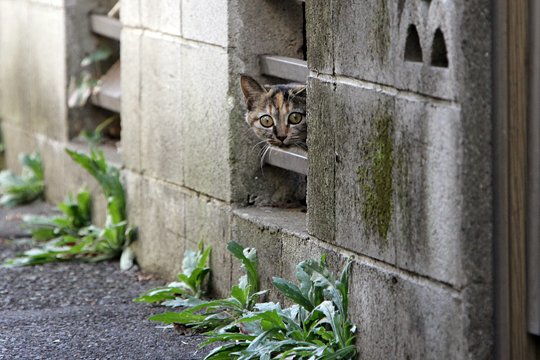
(78, 310)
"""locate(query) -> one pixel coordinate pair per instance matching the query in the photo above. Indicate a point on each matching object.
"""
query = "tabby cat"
(277, 114)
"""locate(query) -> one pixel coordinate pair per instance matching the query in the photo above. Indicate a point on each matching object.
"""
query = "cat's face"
(277, 114)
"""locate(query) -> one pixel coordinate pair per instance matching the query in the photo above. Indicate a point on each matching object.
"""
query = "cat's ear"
(251, 89)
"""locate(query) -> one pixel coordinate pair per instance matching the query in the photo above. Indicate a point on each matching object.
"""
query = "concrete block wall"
(395, 173)
(399, 148)
(42, 44)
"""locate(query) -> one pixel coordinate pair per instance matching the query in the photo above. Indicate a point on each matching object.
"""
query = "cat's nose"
(281, 138)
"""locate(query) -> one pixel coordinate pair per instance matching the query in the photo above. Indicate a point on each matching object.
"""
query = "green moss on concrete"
(381, 29)
(375, 174)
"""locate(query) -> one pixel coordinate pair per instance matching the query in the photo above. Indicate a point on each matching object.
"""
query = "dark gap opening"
(413, 50)
(439, 54)
(304, 35)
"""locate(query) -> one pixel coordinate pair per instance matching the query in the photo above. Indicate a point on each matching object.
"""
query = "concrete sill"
(293, 159)
(109, 94)
(109, 150)
(288, 221)
(106, 26)
(284, 68)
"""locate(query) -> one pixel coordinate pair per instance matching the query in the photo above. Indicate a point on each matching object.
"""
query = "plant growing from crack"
(189, 287)
(316, 326)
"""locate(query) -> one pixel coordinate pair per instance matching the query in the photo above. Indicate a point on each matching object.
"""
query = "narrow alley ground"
(77, 310)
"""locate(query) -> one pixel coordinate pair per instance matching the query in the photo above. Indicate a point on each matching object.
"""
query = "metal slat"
(109, 94)
(284, 68)
(106, 26)
(291, 159)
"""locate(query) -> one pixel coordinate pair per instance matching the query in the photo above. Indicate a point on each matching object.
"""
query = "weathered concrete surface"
(78, 310)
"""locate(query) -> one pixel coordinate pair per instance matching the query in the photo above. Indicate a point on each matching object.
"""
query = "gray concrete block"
(365, 37)
(163, 16)
(262, 27)
(209, 220)
(160, 245)
(131, 13)
(14, 72)
(251, 230)
(131, 101)
(430, 322)
(373, 303)
(133, 184)
(430, 75)
(47, 66)
(364, 188)
(320, 46)
(16, 141)
(161, 143)
(203, 112)
(321, 141)
(205, 21)
(428, 201)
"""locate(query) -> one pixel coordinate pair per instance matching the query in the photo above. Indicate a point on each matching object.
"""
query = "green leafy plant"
(25, 188)
(76, 215)
(218, 314)
(96, 136)
(315, 327)
(83, 86)
(190, 284)
(90, 242)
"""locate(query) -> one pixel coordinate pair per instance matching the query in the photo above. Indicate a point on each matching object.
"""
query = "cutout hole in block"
(413, 50)
(439, 54)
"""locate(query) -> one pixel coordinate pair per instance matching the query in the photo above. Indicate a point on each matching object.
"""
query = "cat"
(277, 113)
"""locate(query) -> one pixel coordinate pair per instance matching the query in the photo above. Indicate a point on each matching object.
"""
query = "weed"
(218, 314)
(315, 327)
(27, 187)
(88, 242)
(83, 86)
(190, 284)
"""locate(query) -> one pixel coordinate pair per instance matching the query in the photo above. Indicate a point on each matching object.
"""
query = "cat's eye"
(266, 121)
(295, 118)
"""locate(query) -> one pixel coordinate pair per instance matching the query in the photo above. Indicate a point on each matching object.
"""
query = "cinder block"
(160, 246)
(15, 70)
(52, 3)
(430, 322)
(321, 141)
(161, 145)
(428, 191)
(206, 21)
(131, 13)
(209, 220)
(320, 46)
(16, 141)
(364, 187)
(262, 27)
(434, 71)
(204, 114)
(131, 101)
(251, 228)
(163, 16)
(133, 183)
(365, 37)
(373, 300)
(47, 61)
